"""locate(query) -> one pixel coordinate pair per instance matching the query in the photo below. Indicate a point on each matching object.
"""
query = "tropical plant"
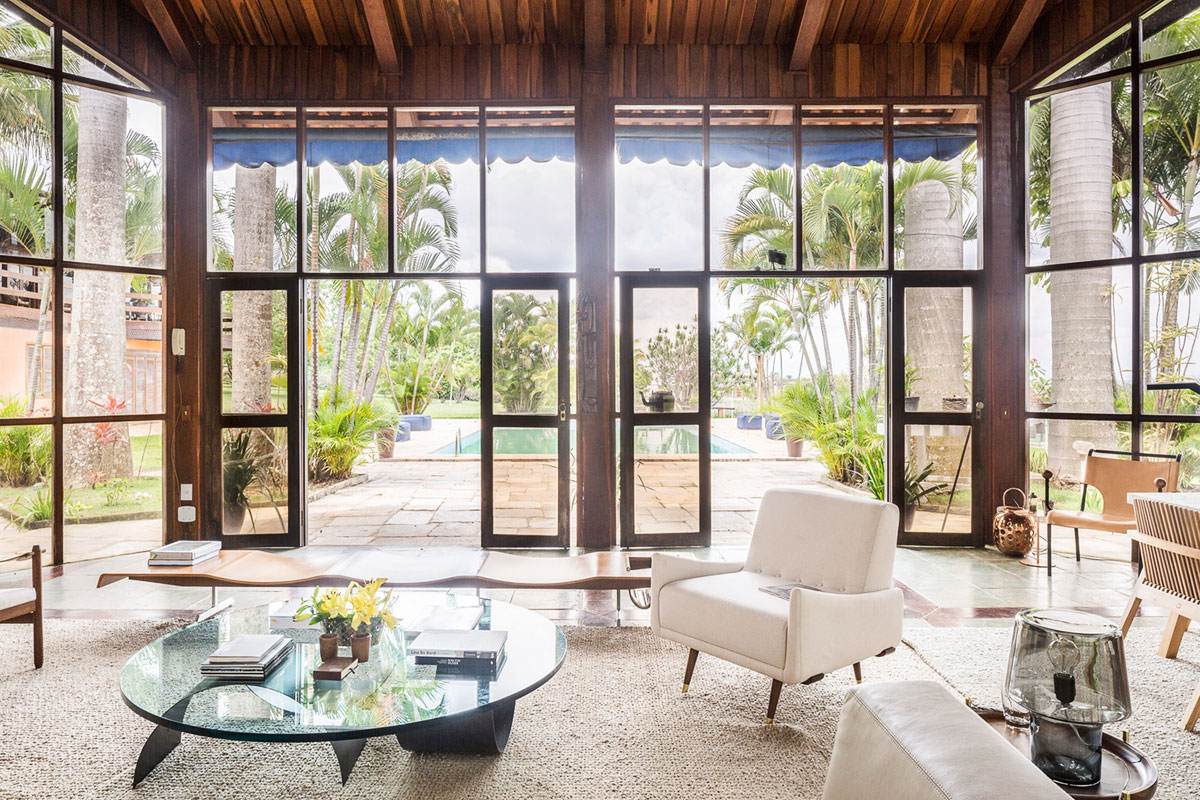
(525, 351)
(917, 488)
(670, 358)
(25, 450)
(245, 463)
(340, 432)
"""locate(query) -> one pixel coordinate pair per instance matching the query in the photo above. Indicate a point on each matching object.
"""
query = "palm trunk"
(335, 375)
(34, 385)
(381, 350)
(253, 250)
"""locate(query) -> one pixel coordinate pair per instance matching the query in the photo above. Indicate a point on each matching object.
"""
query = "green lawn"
(85, 503)
(444, 409)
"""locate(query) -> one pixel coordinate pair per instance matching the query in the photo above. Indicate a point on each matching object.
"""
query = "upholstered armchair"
(840, 548)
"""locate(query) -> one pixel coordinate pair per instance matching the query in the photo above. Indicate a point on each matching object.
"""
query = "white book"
(248, 648)
(184, 550)
(486, 644)
(446, 618)
(283, 616)
(183, 562)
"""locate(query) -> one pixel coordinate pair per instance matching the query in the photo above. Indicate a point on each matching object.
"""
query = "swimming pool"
(648, 440)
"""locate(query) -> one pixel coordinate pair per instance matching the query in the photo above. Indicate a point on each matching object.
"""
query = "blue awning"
(765, 146)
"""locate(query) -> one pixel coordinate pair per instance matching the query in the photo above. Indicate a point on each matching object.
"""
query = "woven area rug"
(611, 724)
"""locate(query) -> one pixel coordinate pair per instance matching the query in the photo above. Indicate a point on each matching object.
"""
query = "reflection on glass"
(525, 352)
(253, 203)
(666, 354)
(531, 189)
(936, 187)
(27, 334)
(1078, 173)
(1170, 28)
(842, 188)
(659, 188)
(23, 38)
(346, 223)
(26, 495)
(937, 357)
(937, 479)
(437, 189)
(1170, 438)
(254, 352)
(1170, 169)
(1079, 340)
(1171, 316)
(1051, 447)
(752, 187)
(525, 481)
(114, 493)
(113, 178)
(77, 61)
(1112, 53)
(26, 165)
(254, 480)
(666, 479)
(113, 326)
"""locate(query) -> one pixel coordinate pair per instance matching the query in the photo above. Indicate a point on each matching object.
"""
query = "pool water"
(648, 440)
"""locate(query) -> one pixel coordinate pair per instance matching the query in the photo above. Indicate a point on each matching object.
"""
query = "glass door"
(525, 413)
(935, 453)
(664, 434)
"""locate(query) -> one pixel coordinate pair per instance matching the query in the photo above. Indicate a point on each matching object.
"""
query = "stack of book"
(184, 554)
(247, 657)
(463, 652)
(442, 618)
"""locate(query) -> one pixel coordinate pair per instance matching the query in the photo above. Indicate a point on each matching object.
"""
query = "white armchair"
(842, 547)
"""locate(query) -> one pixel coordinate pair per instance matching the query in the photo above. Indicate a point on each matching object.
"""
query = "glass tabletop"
(162, 681)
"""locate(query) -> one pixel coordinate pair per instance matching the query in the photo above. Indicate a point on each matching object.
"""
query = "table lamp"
(1067, 669)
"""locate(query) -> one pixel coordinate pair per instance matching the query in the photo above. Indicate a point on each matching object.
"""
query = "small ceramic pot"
(329, 646)
(360, 647)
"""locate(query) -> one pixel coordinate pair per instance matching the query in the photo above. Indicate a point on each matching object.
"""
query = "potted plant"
(912, 374)
(244, 464)
(359, 608)
(799, 411)
(1040, 385)
(917, 491)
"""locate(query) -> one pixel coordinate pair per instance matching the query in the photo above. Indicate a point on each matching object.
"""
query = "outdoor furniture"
(23, 606)
(917, 741)
(403, 431)
(833, 553)
(749, 422)
(1114, 478)
(1168, 530)
(772, 427)
(417, 422)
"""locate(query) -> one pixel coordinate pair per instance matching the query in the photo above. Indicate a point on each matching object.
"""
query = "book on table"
(247, 656)
(444, 618)
(184, 554)
(478, 648)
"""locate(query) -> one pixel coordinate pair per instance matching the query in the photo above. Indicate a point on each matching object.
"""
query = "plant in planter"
(359, 608)
(339, 432)
(245, 464)
(799, 410)
(1040, 385)
(912, 374)
(917, 490)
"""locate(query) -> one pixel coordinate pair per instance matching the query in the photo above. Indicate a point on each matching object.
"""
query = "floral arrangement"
(358, 608)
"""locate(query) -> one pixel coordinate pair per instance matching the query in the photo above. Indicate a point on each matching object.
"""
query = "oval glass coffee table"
(426, 709)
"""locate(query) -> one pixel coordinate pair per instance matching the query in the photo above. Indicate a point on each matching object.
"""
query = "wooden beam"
(812, 19)
(173, 28)
(383, 36)
(1015, 34)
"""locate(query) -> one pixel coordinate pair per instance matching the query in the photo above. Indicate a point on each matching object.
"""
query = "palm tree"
(525, 351)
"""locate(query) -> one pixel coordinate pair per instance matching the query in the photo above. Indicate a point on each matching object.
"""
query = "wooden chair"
(1169, 534)
(24, 606)
(1113, 479)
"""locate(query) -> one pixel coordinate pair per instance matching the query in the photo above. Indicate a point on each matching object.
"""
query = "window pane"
(531, 189)
(1176, 438)
(118, 508)
(1112, 53)
(666, 479)
(659, 188)
(1170, 28)
(525, 481)
(437, 148)
(254, 370)
(113, 326)
(26, 164)
(753, 187)
(666, 367)
(1171, 311)
(23, 38)
(1079, 173)
(525, 352)
(936, 188)
(346, 226)
(253, 203)
(113, 174)
(1079, 339)
(842, 188)
(26, 496)
(937, 357)
(254, 480)
(26, 341)
(937, 479)
(1050, 447)
(1169, 159)
(77, 61)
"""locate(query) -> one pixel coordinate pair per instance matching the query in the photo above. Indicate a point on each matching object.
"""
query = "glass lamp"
(1067, 670)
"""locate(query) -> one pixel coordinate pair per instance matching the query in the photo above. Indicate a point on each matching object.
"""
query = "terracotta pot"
(795, 448)
(233, 518)
(341, 627)
(360, 647)
(387, 442)
(329, 646)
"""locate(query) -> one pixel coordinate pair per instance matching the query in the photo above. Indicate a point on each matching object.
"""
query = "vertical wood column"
(186, 265)
(595, 461)
(1004, 438)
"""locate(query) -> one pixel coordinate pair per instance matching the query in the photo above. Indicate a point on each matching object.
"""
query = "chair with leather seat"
(1113, 477)
(24, 605)
(838, 551)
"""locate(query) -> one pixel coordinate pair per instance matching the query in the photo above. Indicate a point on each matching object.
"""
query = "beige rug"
(611, 724)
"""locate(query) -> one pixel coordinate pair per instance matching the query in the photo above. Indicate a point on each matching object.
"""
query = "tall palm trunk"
(385, 337)
(354, 298)
(95, 366)
(253, 250)
(335, 376)
(1081, 175)
(35, 380)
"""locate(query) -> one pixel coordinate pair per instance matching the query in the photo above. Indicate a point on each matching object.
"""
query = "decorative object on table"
(1067, 669)
(360, 646)
(479, 652)
(329, 646)
(334, 669)
(184, 554)
(247, 657)
(1014, 527)
(360, 607)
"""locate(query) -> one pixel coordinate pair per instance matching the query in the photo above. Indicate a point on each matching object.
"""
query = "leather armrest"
(828, 631)
(667, 568)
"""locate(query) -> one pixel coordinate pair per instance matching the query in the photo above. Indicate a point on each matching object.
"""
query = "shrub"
(339, 432)
(24, 449)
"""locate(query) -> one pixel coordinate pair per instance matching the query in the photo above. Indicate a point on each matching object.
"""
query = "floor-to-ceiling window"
(1111, 144)
(82, 291)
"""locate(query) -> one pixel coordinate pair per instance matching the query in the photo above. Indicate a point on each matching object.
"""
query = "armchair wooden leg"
(1193, 711)
(857, 672)
(691, 666)
(37, 607)
(1131, 611)
(1049, 549)
(1077, 557)
(1177, 626)
(776, 688)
